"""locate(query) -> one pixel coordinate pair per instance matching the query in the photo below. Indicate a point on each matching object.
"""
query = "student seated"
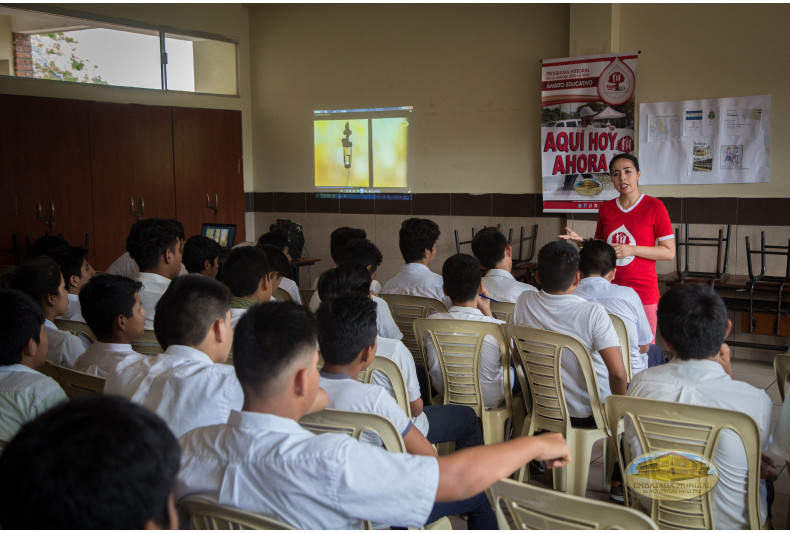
(279, 266)
(557, 308)
(76, 272)
(154, 245)
(201, 256)
(330, 480)
(95, 463)
(246, 273)
(693, 321)
(42, 281)
(462, 285)
(597, 264)
(280, 242)
(338, 240)
(186, 385)
(494, 253)
(365, 253)
(125, 265)
(24, 393)
(111, 306)
(417, 241)
(45, 244)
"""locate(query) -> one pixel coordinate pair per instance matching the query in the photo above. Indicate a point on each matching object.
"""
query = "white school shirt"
(271, 465)
(101, 358)
(587, 321)
(502, 286)
(396, 351)
(235, 316)
(384, 322)
(348, 394)
(64, 348)
(126, 266)
(75, 311)
(24, 394)
(491, 386)
(416, 279)
(625, 303)
(182, 385)
(289, 285)
(704, 382)
(781, 444)
(154, 286)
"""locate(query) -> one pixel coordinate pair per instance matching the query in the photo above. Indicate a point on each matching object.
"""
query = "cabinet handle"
(49, 219)
(138, 214)
(214, 207)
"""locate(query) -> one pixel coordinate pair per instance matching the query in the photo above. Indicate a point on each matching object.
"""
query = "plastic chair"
(781, 368)
(147, 344)
(75, 328)
(458, 344)
(502, 310)
(354, 424)
(73, 382)
(540, 351)
(533, 507)
(687, 428)
(625, 342)
(306, 295)
(394, 375)
(281, 295)
(208, 515)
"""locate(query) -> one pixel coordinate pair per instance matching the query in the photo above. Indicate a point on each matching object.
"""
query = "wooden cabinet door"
(46, 156)
(208, 161)
(131, 154)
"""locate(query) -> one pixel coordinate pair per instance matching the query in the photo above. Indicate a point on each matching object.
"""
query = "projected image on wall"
(361, 148)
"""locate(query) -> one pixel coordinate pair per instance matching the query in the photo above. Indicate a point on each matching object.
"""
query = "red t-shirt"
(643, 224)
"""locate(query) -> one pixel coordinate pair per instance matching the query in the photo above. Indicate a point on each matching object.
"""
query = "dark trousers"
(453, 423)
(655, 356)
(479, 511)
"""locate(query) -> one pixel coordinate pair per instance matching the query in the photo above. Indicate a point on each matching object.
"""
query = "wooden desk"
(302, 262)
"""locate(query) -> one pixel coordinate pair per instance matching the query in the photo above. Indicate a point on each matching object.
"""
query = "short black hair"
(187, 309)
(362, 252)
(243, 270)
(417, 235)
(45, 244)
(267, 339)
(461, 275)
(693, 319)
(179, 227)
(70, 260)
(597, 257)
(37, 278)
(274, 238)
(339, 238)
(489, 246)
(197, 250)
(149, 239)
(344, 278)
(276, 259)
(96, 462)
(558, 263)
(623, 155)
(346, 326)
(104, 298)
(20, 320)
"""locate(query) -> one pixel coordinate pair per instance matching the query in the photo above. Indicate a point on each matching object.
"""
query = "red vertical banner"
(587, 117)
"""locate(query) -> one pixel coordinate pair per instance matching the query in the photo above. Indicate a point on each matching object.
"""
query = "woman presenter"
(638, 228)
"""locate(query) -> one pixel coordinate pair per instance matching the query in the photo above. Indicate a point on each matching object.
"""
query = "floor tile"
(752, 367)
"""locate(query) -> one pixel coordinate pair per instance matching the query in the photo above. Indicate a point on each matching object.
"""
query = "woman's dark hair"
(630, 157)
(37, 278)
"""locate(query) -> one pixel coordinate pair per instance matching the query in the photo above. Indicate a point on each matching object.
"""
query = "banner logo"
(672, 475)
(616, 84)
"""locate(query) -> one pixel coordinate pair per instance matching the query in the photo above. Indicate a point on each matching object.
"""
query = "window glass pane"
(200, 65)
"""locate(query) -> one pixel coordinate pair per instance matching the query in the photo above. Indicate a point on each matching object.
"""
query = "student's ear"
(537, 278)
(612, 274)
(301, 383)
(207, 265)
(576, 278)
(266, 283)
(445, 290)
(729, 328)
(30, 349)
(73, 282)
(508, 251)
(169, 256)
(367, 354)
(119, 322)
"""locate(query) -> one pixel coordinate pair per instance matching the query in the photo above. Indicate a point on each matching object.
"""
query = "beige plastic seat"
(458, 344)
(75, 328)
(281, 295)
(533, 507)
(782, 368)
(208, 515)
(625, 342)
(502, 310)
(354, 424)
(73, 382)
(687, 428)
(147, 344)
(540, 352)
(395, 376)
(306, 295)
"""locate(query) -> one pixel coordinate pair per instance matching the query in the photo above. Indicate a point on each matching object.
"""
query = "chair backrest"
(625, 342)
(502, 310)
(73, 382)
(405, 310)
(306, 295)
(458, 344)
(75, 328)
(281, 295)
(393, 372)
(147, 344)
(533, 507)
(541, 352)
(781, 368)
(670, 426)
(354, 424)
(208, 515)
